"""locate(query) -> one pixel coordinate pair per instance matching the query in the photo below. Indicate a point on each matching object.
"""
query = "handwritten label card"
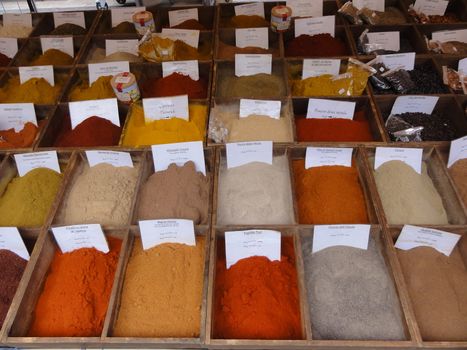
(64, 44)
(355, 236)
(166, 108)
(180, 16)
(190, 68)
(315, 25)
(327, 156)
(388, 40)
(414, 236)
(399, 60)
(375, 5)
(268, 108)
(317, 67)
(17, 19)
(190, 37)
(252, 37)
(252, 64)
(450, 35)
(116, 159)
(69, 17)
(70, 238)
(458, 150)
(179, 154)
(82, 110)
(9, 46)
(431, 7)
(462, 66)
(330, 109)
(156, 232)
(45, 72)
(254, 9)
(123, 45)
(414, 104)
(15, 115)
(25, 162)
(410, 156)
(11, 240)
(241, 153)
(306, 8)
(97, 70)
(244, 244)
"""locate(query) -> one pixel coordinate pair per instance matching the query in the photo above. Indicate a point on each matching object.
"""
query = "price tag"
(124, 14)
(9, 46)
(45, 72)
(70, 238)
(317, 67)
(244, 244)
(269, 108)
(166, 108)
(375, 5)
(450, 35)
(189, 68)
(327, 156)
(190, 37)
(458, 150)
(414, 104)
(330, 109)
(252, 37)
(17, 19)
(410, 156)
(254, 9)
(242, 153)
(399, 60)
(180, 16)
(82, 110)
(69, 17)
(64, 44)
(355, 236)
(306, 8)
(15, 115)
(116, 159)
(179, 154)
(389, 40)
(11, 240)
(431, 7)
(25, 162)
(252, 64)
(97, 70)
(414, 236)
(157, 232)
(127, 45)
(462, 66)
(315, 25)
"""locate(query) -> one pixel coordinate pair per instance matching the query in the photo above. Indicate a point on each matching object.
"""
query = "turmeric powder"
(163, 49)
(99, 89)
(53, 57)
(35, 90)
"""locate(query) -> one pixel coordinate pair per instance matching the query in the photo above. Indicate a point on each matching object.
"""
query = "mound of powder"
(409, 197)
(252, 86)
(99, 89)
(68, 29)
(178, 192)
(319, 45)
(157, 301)
(227, 52)
(255, 193)
(53, 57)
(98, 55)
(350, 294)
(15, 31)
(173, 85)
(458, 172)
(124, 28)
(437, 286)
(34, 90)
(100, 194)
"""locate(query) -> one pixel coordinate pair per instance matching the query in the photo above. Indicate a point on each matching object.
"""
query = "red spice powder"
(320, 45)
(191, 24)
(257, 298)
(173, 85)
(92, 132)
(334, 130)
(4, 60)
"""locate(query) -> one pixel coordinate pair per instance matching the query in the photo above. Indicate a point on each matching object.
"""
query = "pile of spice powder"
(228, 52)
(99, 89)
(190, 24)
(18, 139)
(35, 90)
(173, 85)
(458, 172)
(320, 45)
(53, 57)
(244, 21)
(253, 86)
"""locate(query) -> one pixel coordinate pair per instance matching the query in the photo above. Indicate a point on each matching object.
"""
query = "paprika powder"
(173, 85)
(320, 45)
(4, 60)
(18, 139)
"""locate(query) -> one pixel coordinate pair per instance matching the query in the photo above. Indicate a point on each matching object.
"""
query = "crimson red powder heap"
(4, 60)
(173, 85)
(320, 45)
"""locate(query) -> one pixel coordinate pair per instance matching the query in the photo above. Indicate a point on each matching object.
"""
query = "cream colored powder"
(98, 55)
(255, 193)
(409, 197)
(15, 31)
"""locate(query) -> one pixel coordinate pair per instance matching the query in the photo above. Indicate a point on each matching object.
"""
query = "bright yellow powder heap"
(53, 57)
(35, 90)
(139, 133)
(27, 199)
(100, 89)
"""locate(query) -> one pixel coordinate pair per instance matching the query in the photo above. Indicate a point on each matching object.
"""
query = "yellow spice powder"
(99, 89)
(35, 90)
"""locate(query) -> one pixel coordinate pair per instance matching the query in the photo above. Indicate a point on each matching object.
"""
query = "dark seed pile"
(436, 127)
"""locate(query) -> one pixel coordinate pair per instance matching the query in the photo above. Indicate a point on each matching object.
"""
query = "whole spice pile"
(320, 45)
(391, 15)
(173, 85)
(448, 17)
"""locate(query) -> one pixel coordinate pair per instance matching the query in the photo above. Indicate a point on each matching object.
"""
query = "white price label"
(69, 17)
(11, 240)
(252, 64)
(25, 162)
(388, 40)
(45, 72)
(82, 110)
(414, 104)
(330, 109)
(179, 16)
(9, 46)
(414, 236)
(450, 35)
(254, 9)
(17, 19)
(327, 156)
(462, 66)
(317, 67)
(156, 232)
(190, 68)
(64, 44)
(97, 70)
(375, 5)
(306, 8)
(166, 108)
(315, 25)
(241, 153)
(252, 37)
(190, 37)
(410, 156)
(179, 154)
(268, 108)
(127, 45)
(431, 7)
(244, 244)
(355, 236)
(399, 60)
(70, 238)
(458, 150)
(124, 14)
(116, 159)
(15, 115)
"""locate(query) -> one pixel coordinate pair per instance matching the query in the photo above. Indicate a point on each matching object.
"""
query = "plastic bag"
(350, 12)
(157, 49)
(401, 131)
(369, 16)
(400, 80)
(360, 74)
(217, 131)
(364, 47)
(379, 82)
(451, 78)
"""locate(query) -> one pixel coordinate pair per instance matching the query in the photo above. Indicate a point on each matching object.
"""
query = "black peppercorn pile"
(436, 127)
(426, 80)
